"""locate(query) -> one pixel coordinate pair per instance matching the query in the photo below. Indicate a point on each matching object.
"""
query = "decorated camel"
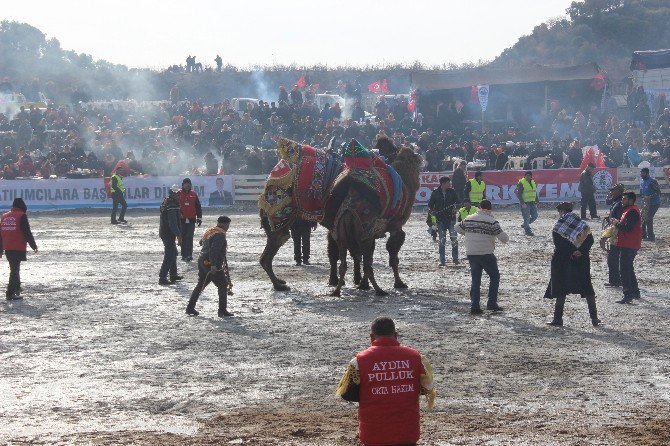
(363, 207)
(300, 185)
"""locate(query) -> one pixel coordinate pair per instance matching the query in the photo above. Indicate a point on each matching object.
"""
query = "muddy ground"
(98, 353)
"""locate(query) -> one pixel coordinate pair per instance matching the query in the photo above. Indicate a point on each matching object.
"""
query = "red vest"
(12, 236)
(388, 409)
(187, 203)
(632, 239)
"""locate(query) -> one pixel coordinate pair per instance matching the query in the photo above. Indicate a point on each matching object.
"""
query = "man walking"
(629, 241)
(475, 189)
(191, 213)
(526, 191)
(614, 253)
(117, 189)
(213, 267)
(168, 231)
(481, 231)
(301, 233)
(15, 236)
(442, 204)
(650, 192)
(386, 380)
(588, 191)
(459, 180)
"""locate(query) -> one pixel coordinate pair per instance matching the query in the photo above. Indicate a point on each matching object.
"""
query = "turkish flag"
(375, 87)
(385, 86)
(301, 82)
(474, 94)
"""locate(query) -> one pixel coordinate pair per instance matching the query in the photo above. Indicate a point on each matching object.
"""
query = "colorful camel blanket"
(374, 180)
(299, 184)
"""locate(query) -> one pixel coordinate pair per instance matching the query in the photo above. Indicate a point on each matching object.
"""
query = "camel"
(360, 220)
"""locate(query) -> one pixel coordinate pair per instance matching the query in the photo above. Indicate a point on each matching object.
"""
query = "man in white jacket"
(481, 231)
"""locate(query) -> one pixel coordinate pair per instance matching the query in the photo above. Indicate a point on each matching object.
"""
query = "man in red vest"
(629, 241)
(191, 213)
(15, 235)
(386, 380)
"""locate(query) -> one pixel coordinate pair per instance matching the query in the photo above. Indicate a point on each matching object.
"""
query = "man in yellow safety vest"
(526, 191)
(117, 189)
(475, 189)
(466, 210)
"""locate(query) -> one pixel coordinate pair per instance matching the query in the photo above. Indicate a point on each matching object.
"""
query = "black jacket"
(169, 223)
(586, 186)
(443, 205)
(214, 250)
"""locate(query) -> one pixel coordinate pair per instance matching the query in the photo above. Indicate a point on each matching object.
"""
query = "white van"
(331, 99)
(240, 104)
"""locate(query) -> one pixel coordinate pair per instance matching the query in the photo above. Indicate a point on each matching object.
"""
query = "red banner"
(553, 185)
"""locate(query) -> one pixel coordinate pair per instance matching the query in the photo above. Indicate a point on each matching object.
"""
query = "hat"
(186, 180)
(618, 186)
(174, 188)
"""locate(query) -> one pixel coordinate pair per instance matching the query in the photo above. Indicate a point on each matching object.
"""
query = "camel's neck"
(410, 178)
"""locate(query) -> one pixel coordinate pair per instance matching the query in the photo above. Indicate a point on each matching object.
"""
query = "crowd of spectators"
(191, 137)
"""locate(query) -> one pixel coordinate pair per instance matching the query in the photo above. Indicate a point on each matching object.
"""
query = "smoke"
(261, 89)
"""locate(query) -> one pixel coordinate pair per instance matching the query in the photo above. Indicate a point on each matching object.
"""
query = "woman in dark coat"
(570, 264)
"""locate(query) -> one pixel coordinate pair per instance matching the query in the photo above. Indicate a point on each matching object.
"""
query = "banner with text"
(141, 192)
(553, 185)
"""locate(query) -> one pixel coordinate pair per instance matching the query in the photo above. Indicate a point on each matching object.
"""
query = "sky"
(156, 34)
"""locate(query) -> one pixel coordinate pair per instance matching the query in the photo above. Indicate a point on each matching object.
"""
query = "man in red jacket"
(386, 380)
(629, 241)
(191, 213)
(15, 235)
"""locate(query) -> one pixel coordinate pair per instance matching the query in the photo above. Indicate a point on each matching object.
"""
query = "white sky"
(158, 33)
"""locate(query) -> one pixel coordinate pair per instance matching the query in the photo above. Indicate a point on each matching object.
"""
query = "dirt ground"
(98, 353)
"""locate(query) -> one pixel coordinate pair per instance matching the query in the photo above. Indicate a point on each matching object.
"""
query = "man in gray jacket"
(213, 267)
(481, 231)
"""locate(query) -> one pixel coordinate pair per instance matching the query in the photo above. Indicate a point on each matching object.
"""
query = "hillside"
(602, 31)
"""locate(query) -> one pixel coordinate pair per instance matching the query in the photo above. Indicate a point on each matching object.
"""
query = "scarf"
(211, 231)
(572, 228)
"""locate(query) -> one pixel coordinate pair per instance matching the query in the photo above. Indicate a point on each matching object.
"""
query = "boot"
(223, 301)
(593, 311)
(558, 312)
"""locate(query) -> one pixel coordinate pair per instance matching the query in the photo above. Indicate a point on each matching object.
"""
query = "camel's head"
(407, 160)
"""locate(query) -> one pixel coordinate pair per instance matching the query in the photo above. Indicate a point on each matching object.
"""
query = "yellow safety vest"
(529, 190)
(464, 212)
(476, 191)
(119, 183)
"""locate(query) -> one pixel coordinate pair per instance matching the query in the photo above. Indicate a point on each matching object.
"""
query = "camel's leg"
(356, 255)
(368, 248)
(274, 241)
(393, 245)
(333, 257)
(343, 269)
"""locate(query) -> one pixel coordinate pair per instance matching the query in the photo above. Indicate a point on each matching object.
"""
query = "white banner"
(141, 192)
(483, 95)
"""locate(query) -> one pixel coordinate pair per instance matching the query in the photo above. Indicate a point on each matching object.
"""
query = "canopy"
(430, 80)
(648, 60)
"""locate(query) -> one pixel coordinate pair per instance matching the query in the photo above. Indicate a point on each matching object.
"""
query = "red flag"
(301, 82)
(588, 158)
(385, 86)
(601, 160)
(375, 87)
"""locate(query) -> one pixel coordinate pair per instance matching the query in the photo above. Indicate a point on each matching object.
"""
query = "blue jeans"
(488, 263)
(442, 228)
(529, 215)
(169, 258)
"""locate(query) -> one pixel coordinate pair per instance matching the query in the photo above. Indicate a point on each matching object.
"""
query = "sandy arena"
(98, 353)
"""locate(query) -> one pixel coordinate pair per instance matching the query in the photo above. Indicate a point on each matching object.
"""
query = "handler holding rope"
(213, 267)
